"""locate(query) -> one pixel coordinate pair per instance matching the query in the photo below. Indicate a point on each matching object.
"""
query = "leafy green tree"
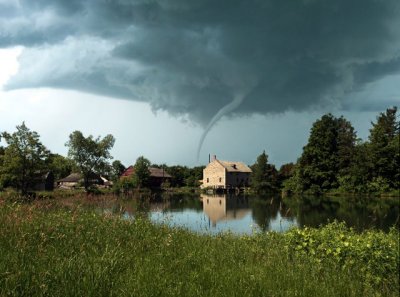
(359, 172)
(124, 185)
(142, 173)
(384, 148)
(60, 165)
(346, 142)
(394, 146)
(193, 176)
(285, 172)
(24, 159)
(179, 174)
(317, 164)
(105, 169)
(260, 169)
(293, 184)
(117, 168)
(327, 155)
(159, 166)
(90, 154)
(264, 176)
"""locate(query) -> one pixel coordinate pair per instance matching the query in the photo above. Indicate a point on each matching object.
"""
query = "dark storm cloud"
(192, 57)
(374, 70)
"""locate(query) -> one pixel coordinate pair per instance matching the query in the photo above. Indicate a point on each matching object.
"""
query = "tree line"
(334, 159)
(24, 160)
(181, 176)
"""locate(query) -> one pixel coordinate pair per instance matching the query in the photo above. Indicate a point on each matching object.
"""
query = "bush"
(378, 185)
(124, 185)
(374, 254)
(11, 195)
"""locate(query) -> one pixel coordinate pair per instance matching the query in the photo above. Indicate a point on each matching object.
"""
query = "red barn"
(158, 176)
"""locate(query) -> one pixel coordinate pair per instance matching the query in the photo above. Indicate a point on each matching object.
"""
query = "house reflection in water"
(224, 207)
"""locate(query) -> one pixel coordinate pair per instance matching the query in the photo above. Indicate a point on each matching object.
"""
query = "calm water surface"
(248, 214)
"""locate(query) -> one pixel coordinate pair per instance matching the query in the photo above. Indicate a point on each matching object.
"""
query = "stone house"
(225, 175)
(220, 208)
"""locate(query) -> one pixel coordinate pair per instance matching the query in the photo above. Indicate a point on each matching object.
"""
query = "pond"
(242, 214)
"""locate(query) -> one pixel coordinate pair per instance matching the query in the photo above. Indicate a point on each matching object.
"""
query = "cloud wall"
(191, 58)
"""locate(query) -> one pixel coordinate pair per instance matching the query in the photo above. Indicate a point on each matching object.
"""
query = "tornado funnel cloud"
(237, 100)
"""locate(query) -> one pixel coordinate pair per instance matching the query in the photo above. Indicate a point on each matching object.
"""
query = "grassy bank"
(60, 250)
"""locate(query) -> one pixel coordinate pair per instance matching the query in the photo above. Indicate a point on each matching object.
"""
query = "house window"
(207, 179)
(220, 179)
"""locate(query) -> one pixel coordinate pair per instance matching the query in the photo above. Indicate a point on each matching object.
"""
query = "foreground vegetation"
(53, 248)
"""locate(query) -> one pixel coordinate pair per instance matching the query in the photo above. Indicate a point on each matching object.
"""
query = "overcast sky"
(161, 75)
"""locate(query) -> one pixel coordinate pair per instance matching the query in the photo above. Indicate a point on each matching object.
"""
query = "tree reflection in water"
(218, 213)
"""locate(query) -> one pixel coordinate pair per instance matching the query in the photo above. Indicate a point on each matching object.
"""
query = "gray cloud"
(371, 71)
(191, 58)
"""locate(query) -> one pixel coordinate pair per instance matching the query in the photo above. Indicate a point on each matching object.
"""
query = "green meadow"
(53, 249)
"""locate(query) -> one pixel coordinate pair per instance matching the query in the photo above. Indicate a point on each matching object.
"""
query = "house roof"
(73, 177)
(158, 172)
(47, 174)
(128, 171)
(154, 172)
(44, 175)
(231, 166)
(76, 177)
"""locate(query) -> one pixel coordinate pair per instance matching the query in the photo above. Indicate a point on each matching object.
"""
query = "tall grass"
(46, 251)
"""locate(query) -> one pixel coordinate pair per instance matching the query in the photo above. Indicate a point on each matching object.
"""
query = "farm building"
(45, 182)
(158, 176)
(75, 180)
(226, 175)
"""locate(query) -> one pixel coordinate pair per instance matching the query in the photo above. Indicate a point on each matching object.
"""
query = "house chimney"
(214, 157)
(209, 157)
